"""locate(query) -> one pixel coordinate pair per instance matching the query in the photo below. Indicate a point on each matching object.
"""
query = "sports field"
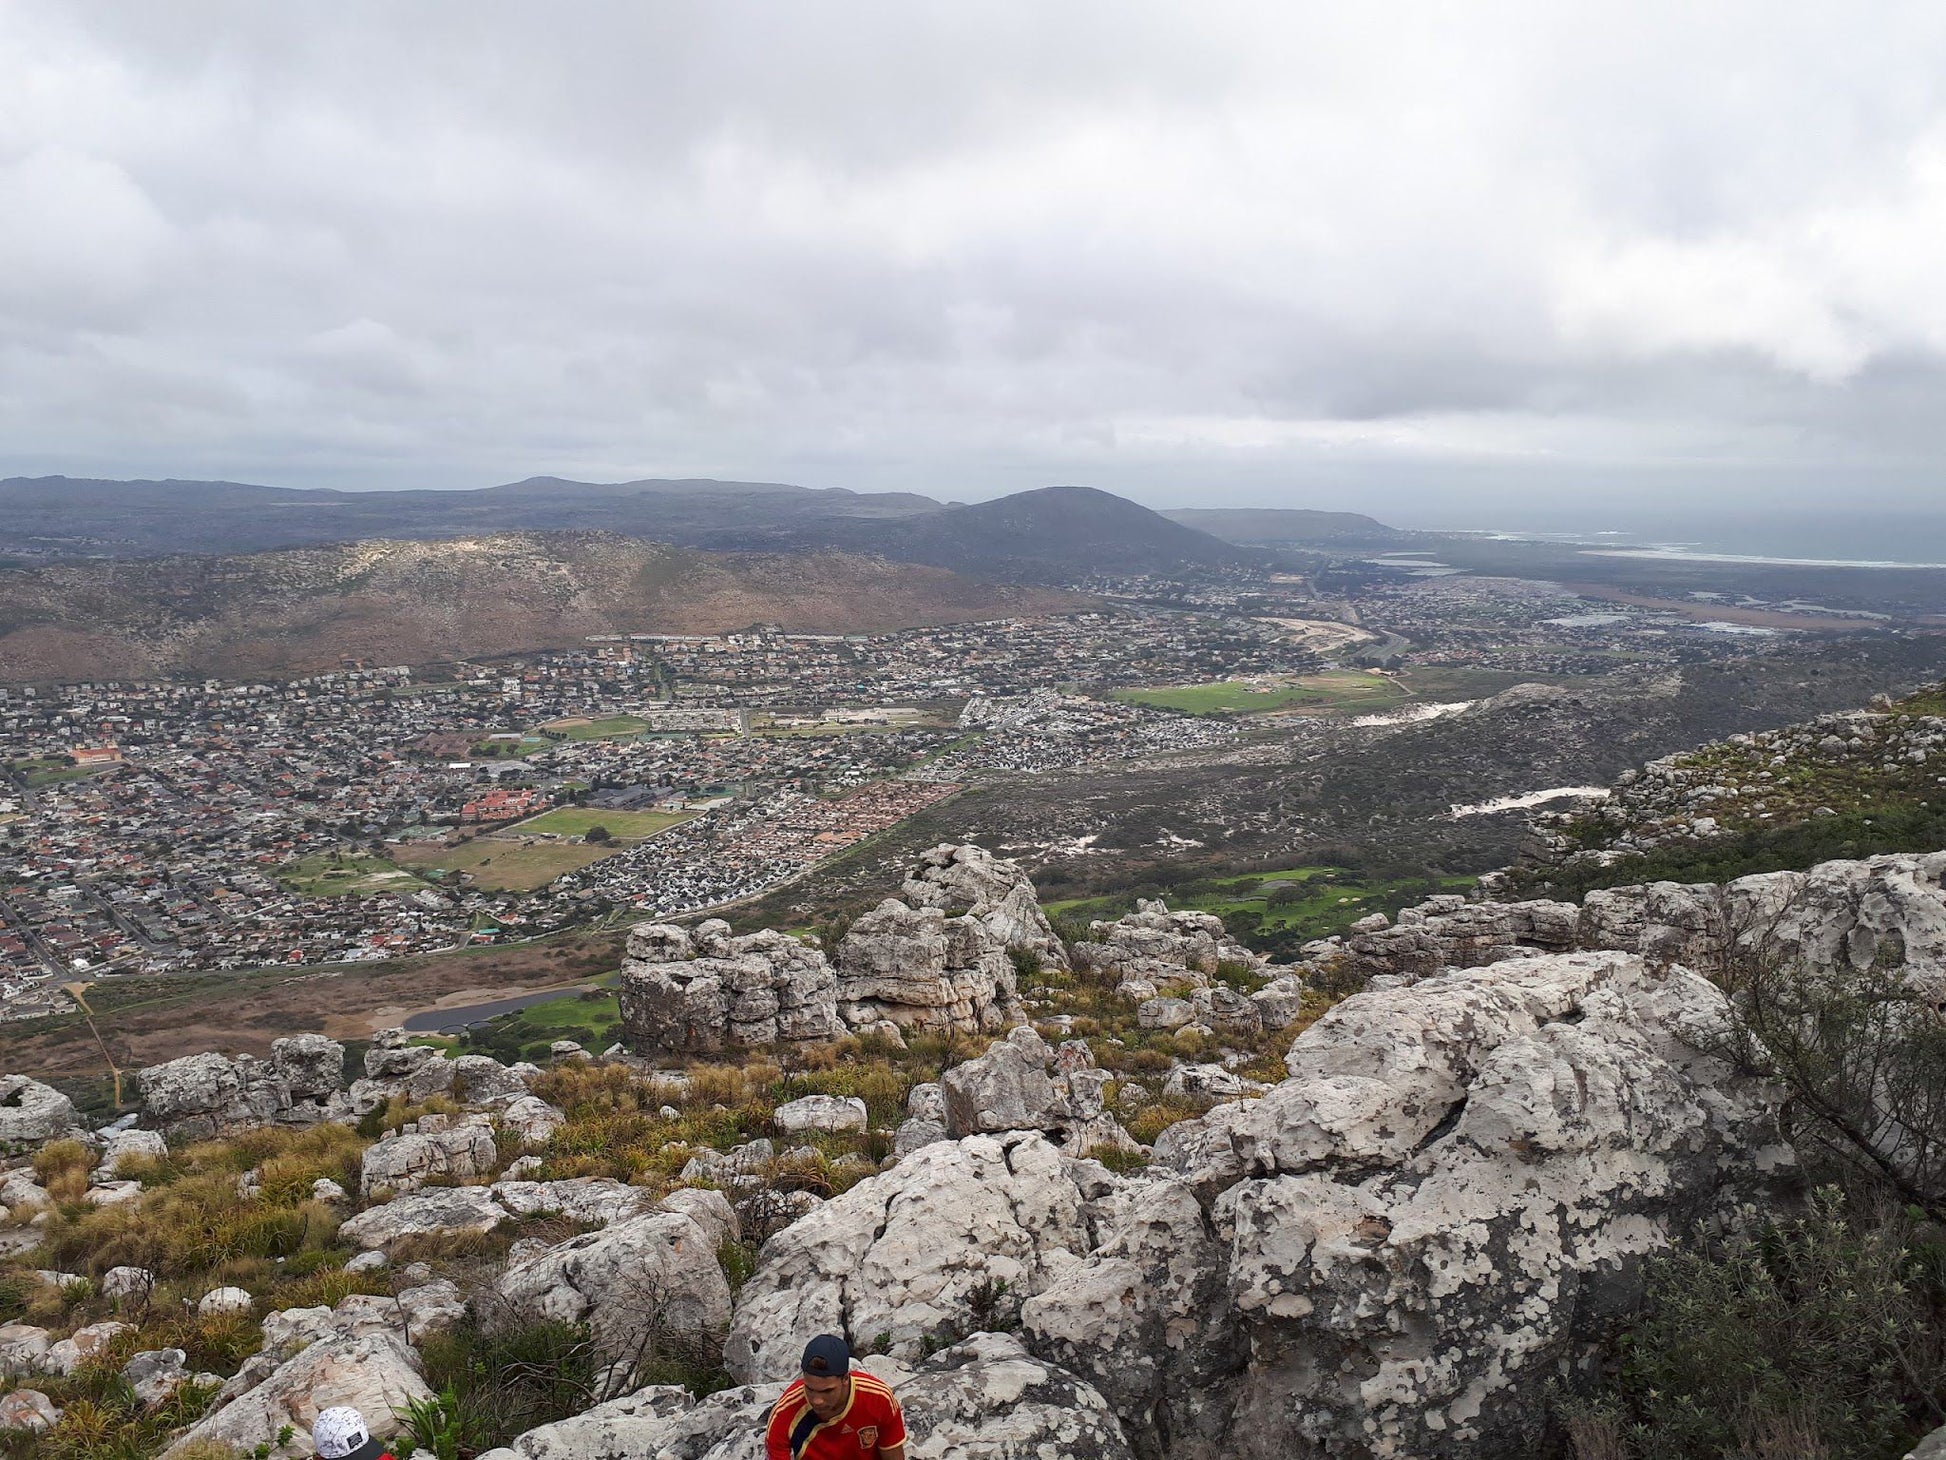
(345, 874)
(506, 865)
(1334, 689)
(611, 727)
(623, 825)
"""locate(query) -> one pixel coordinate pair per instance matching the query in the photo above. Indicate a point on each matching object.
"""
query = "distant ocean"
(1901, 541)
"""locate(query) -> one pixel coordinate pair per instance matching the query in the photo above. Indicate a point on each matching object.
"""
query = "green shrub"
(1824, 1332)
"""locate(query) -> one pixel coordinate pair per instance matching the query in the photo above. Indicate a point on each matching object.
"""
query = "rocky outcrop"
(434, 1147)
(1151, 949)
(912, 1256)
(1888, 911)
(435, 1209)
(1010, 1088)
(648, 1278)
(706, 992)
(984, 1399)
(994, 891)
(376, 1373)
(1492, 1152)
(32, 1114)
(918, 968)
(201, 1096)
(395, 1068)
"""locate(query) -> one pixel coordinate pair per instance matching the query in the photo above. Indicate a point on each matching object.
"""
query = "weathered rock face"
(398, 1069)
(652, 1274)
(1890, 910)
(1152, 947)
(1492, 1152)
(32, 1114)
(984, 1399)
(911, 1255)
(1009, 1088)
(708, 992)
(921, 969)
(991, 890)
(205, 1095)
(405, 1162)
(376, 1373)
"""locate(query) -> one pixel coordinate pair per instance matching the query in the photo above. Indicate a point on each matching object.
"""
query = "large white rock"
(920, 969)
(994, 891)
(909, 1255)
(820, 1113)
(655, 1273)
(406, 1162)
(597, 1200)
(984, 1399)
(375, 1373)
(706, 991)
(1492, 1152)
(32, 1114)
(430, 1210)
(131, 1146)
(204, 1095)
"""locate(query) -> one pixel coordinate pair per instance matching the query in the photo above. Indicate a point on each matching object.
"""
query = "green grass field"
(1276, 911)
(506, 866)
(590, 1016)
(345, 874)
(625, 825)
(611, 727)
(1332, 690)
(49, 771)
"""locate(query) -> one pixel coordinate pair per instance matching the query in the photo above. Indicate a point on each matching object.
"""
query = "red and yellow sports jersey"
(872, 1422)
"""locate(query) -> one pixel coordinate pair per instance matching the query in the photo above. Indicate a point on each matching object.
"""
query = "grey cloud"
(1247, 252)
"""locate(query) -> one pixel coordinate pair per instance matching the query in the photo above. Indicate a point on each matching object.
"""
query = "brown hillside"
(300, 610)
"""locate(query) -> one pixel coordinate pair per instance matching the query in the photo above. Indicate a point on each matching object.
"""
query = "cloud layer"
(1402, 255)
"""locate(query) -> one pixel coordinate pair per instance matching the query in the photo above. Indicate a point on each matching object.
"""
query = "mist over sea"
(1893, 538)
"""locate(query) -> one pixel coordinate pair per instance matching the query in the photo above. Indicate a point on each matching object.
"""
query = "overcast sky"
(1448, 262)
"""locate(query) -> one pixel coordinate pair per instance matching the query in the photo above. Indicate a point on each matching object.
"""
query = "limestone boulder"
(920, 969)
(429, 1211)
(480, 1079)
(984, 1399)
(201, 1096)
(23, 1349)
(405, 1162)
(913, 1255)
(32, 1114)
(707, 991)
(652, 1274)
(530, 1120)
(376, 1373)
(828, 1113)
(994, 891)
(131, 1146)
(594, 1200)
(83, 1346)
(29, 1410)
(1493, 1151)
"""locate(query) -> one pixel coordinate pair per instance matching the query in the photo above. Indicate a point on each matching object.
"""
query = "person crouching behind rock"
(340, 1434)
(835, 1412)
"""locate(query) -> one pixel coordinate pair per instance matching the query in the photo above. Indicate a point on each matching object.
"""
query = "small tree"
(596, 834)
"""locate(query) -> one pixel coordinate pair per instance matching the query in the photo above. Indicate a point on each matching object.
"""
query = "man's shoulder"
(789, 1402)
(872, 1388)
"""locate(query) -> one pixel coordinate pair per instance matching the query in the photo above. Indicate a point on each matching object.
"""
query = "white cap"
(338, 1432)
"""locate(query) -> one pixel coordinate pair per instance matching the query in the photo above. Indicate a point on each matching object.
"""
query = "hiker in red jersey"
(835, 1412)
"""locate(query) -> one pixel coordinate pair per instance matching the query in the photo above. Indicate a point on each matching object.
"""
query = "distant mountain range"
(1276, 526)
(1053, 534)
(300, 610)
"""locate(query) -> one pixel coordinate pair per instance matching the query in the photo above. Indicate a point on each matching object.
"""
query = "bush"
(1825, 1335)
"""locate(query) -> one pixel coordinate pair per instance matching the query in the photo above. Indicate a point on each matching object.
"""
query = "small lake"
(464, 1016)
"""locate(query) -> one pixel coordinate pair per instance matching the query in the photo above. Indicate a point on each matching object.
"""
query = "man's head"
(827, 1375)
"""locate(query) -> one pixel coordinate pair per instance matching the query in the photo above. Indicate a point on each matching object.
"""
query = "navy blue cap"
(827, 1354)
